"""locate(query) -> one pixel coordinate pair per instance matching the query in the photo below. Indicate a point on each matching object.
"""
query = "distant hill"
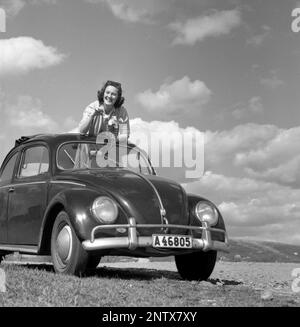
(261, 251)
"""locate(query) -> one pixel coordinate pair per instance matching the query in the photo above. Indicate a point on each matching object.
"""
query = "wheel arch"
(45, 243)
(72, 201)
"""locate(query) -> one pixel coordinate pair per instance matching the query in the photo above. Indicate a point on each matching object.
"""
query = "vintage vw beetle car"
(69, 197)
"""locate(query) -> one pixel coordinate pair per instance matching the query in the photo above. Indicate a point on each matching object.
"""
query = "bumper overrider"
(133, 240)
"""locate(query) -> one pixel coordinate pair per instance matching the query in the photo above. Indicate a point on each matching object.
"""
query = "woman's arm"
(87, 118)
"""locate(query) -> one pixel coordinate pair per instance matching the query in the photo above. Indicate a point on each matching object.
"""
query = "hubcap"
(64, 243)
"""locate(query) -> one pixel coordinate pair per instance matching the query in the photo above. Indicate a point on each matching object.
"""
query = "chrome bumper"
(133, 241)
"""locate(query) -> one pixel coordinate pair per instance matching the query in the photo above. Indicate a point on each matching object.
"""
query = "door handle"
(11, 190)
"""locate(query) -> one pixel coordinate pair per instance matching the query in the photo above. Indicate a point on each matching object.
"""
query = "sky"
(229, 69)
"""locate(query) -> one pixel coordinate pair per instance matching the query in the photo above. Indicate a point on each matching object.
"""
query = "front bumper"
(133, 240)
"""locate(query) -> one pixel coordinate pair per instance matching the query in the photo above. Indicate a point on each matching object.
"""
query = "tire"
(196, 265)
(68, 255)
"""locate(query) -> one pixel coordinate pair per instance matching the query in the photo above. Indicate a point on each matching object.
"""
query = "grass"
(106, 287)
(32, 286)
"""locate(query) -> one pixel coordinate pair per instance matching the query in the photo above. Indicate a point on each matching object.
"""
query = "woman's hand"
(113, 122)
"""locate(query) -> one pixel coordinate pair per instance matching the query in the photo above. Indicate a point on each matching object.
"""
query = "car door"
(6, 176)
(28, 198)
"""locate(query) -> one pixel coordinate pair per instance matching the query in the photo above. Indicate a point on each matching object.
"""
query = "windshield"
(88, 155)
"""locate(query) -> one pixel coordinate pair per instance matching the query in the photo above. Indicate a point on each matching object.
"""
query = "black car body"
(57, 197)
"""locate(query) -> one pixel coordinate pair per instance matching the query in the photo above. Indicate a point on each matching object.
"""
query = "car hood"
(136, 196)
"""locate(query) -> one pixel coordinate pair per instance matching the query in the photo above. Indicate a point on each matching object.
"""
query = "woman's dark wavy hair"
(120, 99)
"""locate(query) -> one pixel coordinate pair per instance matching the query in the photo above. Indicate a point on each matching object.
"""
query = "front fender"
(77, 204)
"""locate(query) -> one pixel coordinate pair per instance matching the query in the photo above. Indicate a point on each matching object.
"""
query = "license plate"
(172, 241)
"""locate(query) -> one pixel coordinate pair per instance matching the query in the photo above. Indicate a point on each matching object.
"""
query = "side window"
(35, 161)
(8, 170)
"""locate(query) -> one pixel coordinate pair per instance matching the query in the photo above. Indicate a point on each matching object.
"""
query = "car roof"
(53, 140)
(50, 138)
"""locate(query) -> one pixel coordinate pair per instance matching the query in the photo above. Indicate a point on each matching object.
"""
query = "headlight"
(105, 210)
(206, 212)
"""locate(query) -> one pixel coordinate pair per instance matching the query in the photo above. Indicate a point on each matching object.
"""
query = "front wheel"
(67, 253)
(196, 265)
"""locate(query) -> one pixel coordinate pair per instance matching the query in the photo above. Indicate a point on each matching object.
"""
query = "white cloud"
(287, 172)
(27, 115)
(225, 145)
(70, 123)
(13, 7)
(275, 159)
(176, 152)
(259, 151)
(262, 152)
(258, 39)
(22, 54)
(272, 82)
(249, 205)
(197, 29)
(253, 106)
(170, 130)
(128, 14)
(172, 98)
(131, 11)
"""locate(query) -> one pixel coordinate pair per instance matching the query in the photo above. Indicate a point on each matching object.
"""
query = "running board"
(19, 248)
(27, 259)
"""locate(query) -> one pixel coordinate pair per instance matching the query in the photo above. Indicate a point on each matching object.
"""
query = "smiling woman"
(107, 114)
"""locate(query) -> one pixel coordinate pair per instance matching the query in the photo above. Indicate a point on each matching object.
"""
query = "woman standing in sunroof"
(107, 114)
